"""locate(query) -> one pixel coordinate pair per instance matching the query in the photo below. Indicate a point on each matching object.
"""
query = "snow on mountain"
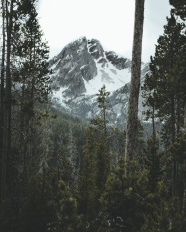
(109, 76)
(81, 69)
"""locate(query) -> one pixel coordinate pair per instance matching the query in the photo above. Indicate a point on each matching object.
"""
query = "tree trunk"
(2, 177)
(8, 92)
(184, 181)
(132, 121)
(184, 125)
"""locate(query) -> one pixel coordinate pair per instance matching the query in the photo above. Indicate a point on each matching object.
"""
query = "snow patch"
(108, 75)
(82, 67)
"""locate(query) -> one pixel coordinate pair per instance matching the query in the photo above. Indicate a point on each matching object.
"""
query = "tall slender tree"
(32, 75)
(132, 121)
(2, 101)
(167, 91)
(96, 164)
(7, 9)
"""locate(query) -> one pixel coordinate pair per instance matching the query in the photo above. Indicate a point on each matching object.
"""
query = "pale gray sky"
(109, 21)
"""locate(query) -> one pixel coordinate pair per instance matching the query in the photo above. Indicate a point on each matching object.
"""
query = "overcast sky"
(109, 21)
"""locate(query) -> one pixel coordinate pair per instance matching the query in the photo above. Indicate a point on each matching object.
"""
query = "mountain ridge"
(81, 69)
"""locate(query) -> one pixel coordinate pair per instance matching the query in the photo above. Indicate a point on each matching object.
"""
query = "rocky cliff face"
(81, 69)
(73, 64)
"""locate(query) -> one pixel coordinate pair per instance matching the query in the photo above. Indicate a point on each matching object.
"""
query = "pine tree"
(103, 105)
(66, 217)
(136, 202)
(24, 85)
(95, 165)
(87, 186)
(31, 77)
(165, 86)
(103, 158)
(153, 163)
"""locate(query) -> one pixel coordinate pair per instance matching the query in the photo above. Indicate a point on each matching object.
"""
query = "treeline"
(58, 174)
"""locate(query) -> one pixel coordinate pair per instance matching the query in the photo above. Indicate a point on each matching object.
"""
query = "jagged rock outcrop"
(118, 62)
(81, 69)
(73, 64)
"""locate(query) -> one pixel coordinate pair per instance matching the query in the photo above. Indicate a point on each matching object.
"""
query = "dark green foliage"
(65, 207)
(179, 8)
(35, 211)
(67, 176)
(164, 88)
(153, 163)
(129, 205)
(95, 166)
(164, 93)
(87, 187)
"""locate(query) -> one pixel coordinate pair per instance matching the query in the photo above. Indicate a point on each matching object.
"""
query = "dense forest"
(60, 174)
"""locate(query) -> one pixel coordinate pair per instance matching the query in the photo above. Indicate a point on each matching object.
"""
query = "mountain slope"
(81, 69)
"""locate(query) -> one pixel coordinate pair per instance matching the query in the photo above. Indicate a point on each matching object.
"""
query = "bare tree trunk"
(174, 162)
(184, 181)
(2, 179)
(8, 92)
(132, 120)
(184, 125)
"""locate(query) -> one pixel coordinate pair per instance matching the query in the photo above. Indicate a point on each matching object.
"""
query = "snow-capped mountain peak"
(81, 69)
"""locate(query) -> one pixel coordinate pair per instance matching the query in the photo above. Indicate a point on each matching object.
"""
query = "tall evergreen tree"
(24, 85)
(166, 84)
(164, 89)
(96, 164)
(32, 77)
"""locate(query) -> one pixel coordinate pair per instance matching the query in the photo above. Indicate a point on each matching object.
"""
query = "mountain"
(81, 69)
